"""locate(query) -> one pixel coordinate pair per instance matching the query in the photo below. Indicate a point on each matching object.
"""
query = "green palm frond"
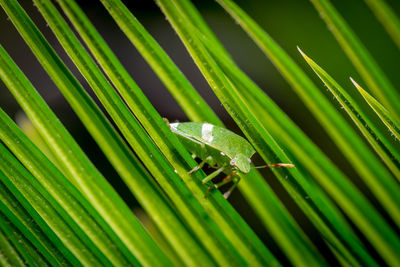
(59, 209)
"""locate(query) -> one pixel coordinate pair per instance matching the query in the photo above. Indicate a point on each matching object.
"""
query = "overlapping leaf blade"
(14, 211)
(32, 193)
(29, 253)
(9, 256)
(391, 123)
(314, 99)
(212, 223)
(223, 89)
(263, 107)
(360, 57)
(234, 228)
(107, 138)
(170, 224)
(378, 141)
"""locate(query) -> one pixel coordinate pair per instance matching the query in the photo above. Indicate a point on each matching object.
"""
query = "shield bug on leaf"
(220, 149)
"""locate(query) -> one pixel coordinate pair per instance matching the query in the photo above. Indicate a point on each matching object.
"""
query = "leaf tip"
(301, 52)
(307, 59)
(359, 88)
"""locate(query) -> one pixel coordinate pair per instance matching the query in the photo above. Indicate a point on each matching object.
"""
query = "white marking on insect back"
(174, 126)
(206, 132)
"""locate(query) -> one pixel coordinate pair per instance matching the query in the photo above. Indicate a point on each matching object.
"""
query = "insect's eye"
(233, 162)
(249, 160)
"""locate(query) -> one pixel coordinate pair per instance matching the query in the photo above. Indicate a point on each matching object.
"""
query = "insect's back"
(216, 137)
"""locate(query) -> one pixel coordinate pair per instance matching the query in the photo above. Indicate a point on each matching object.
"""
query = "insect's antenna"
(286, 165)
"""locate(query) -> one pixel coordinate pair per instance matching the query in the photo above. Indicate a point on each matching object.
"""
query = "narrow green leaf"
(8, 255)
(156, 127)
(114, 210)
(189, 249)
(387, 17)
(64, 144)
(344, 193)
(291, 238)
(391, 123)
(304, 191)
(378, 141)
(253, 183)
(30, 254)
(13, 210)
(158, 237)
(43, 215)
(233, 226)
(26, 125)
(149, 117)
(189, 100)
(363, 160)
(360, 57)
(22, 183)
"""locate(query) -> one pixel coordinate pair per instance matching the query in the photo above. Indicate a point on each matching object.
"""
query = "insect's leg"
(226, 180)
(210, 188)
(198, 167)
(213, 175)
(235, 182)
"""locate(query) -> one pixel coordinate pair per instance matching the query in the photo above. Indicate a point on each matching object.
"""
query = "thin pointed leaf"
(64, 145)
(378, 141)
(363, 160)
(252, 183)
(268, 111)
(19, 181)
(119, 217)
(233, 226)
(177, 84)
(41, 212)
(13, 210)
(209, 235)
(223, 90)
(391, 123)
(8, 255)
(152, 122)
(190, 251)
(343, 192)
(30, 254)
(360, 57)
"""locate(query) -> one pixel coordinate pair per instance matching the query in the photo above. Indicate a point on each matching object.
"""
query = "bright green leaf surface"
(377, 140)
(8, 255)
(391, 123)
(23, 184)
(26, 250)
(176, 232)
(251, 184)
(13, 210)
(360, 57)
(116, 213)
(223, 89)
(322, 108)
(234, 228)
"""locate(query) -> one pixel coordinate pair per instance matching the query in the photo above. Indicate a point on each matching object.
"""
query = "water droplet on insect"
(176, 171)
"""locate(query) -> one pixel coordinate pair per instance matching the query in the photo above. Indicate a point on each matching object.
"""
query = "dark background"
(290, 22)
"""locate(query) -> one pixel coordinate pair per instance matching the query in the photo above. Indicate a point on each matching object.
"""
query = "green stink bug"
(219, 148)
